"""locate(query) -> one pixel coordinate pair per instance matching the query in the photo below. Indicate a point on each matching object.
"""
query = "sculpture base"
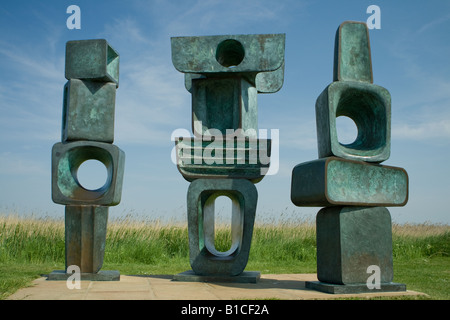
(353, 288)
(107, 275)
(244, 277)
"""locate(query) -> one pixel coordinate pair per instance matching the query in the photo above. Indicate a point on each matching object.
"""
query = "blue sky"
(410, 56)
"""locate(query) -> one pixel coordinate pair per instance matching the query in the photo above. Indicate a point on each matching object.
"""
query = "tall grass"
(34, 240)
(412, 241)
(145, 241)
(38, 240)
(31, 246)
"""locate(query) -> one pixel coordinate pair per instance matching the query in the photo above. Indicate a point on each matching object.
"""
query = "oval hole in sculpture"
(222, 227)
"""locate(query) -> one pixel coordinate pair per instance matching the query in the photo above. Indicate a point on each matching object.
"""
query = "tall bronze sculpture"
(225, 157)
(354, 232)
(92, 71)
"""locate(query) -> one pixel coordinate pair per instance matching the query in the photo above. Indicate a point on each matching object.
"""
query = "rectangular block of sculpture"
(67, 158)
(349, 240)
(333, 181)
(85, 234)
(245, 53)
(92, 60)
(88, 111)
(352, 53)
(223, 104)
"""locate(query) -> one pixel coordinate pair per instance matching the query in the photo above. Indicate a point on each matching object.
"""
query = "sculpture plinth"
(225, 157)
(354, 235)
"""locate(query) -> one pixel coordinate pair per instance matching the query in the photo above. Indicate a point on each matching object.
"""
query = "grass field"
(30, 247)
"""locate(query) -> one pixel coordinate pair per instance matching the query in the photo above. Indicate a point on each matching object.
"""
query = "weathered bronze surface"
(205, 259)
(223, 158)
(353, 95)
(68, 157)
(88, 111)
(223, 104)
(92, 60)
(85, 236)
(333, 181)
(349, 240)
(352, 58)
(224, 74)
(354, 228)
(369, 106)
(92, 71)
(228, 53)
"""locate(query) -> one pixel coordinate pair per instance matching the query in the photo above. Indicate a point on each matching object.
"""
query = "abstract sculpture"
(92, 71)
(225, 157)
(354, 228)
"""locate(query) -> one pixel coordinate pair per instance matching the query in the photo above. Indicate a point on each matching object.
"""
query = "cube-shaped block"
(85, 237)
(204, 258)
(369, 106)
(92, 60)
(352, 58)
(335, 182)
(67, 158)
(223, 104)
(88, 111)
(352, 239)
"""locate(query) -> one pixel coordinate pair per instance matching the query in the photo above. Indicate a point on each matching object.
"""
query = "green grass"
(30, 247)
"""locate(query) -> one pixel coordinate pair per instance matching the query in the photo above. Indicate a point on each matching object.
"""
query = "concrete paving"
(162, 287)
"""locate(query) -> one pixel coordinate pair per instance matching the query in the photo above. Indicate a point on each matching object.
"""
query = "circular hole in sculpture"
(230, 53)
(92, 175)
(347, 130)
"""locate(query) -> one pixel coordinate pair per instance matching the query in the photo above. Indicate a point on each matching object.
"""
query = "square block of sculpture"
(350, 240)
(369, 106)
(68, 157)
(88, 111)
(92, 60)
(205, 259)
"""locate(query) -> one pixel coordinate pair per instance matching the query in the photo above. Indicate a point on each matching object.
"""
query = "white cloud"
(432, 129)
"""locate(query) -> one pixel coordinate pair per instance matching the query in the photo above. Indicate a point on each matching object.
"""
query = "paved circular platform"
(162, 287)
